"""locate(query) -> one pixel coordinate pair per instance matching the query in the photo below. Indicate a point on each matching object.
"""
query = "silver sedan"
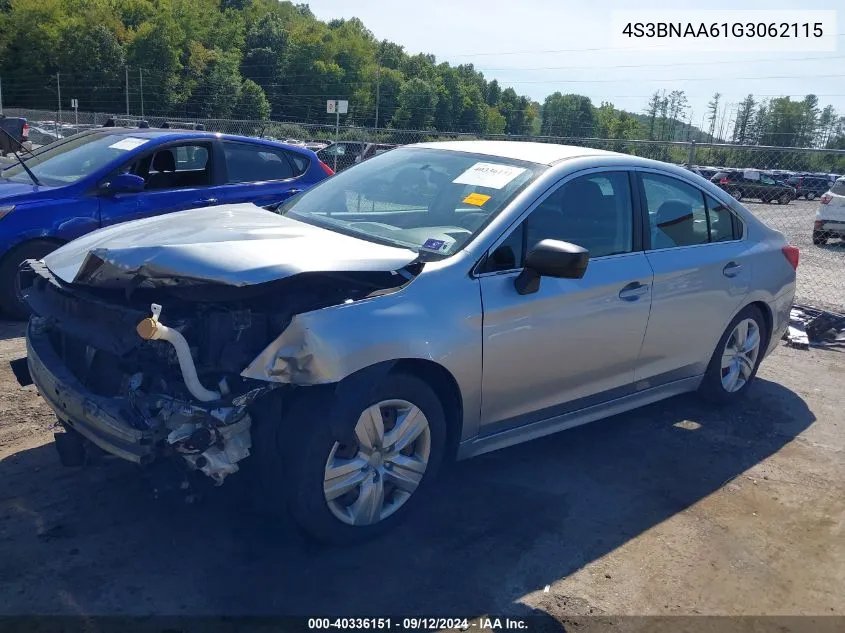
(440, 300)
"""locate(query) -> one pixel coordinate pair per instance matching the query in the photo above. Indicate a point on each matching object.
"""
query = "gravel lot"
(821, 273)
(673, 509)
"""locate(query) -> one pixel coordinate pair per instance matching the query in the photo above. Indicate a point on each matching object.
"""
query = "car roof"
(542, 153)
(175, 134)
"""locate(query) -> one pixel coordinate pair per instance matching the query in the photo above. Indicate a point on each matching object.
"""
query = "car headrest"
(164, 161)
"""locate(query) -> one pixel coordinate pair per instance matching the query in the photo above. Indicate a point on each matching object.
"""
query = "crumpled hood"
(235, 244)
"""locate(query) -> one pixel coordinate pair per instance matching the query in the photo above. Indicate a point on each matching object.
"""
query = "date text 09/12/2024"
(418, 624)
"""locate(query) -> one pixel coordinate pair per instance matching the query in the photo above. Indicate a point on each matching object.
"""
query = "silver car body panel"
(233, 244)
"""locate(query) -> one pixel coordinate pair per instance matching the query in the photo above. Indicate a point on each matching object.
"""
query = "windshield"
(74, 158)
(429, 200)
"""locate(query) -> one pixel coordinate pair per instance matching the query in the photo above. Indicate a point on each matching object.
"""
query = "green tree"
(252, 103)
(568, 115)
(744, 117)
(417, 101)
(494, 121)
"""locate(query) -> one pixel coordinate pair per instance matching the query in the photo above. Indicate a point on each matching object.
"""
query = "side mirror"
(123, 183)
(551, 258)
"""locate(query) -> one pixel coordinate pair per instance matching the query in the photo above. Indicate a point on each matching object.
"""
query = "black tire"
(10, 303)
(784, 198)
(819, 238)
(810, 195)
(736, 194)
(711, 388)
(304, 441)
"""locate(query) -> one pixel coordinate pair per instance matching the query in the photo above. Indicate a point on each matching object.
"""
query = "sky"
(542, 46)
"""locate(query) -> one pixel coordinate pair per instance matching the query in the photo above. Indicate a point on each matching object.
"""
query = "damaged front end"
(151, 370)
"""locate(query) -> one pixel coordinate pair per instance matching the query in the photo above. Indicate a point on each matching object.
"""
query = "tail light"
(25, 131)
(818, 225)
(792, 255)
(327, 169)
(723, 181)
(826, 198)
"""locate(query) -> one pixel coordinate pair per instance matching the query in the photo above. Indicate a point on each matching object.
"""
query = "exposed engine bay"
(167, 359)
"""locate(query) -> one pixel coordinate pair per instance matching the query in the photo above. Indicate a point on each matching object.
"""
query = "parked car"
(753, 184)
(495, 292)
(14, 132)
(344, 154)
(810, 187)
(109, 175)
(830, 216)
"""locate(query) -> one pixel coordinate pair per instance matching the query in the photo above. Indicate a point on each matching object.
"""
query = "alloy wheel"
(370, 479)
(739, 358)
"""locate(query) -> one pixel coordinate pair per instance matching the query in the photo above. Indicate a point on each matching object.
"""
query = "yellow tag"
(476, 199)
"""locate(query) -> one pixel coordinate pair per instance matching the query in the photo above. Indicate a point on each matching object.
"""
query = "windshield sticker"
(438, 246)
(476, 199)
(130, 142)
(491, 175)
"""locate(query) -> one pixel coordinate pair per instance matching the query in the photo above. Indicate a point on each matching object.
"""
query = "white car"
(830, 218)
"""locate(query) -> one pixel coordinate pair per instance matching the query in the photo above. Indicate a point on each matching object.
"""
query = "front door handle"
(633, 291)
(731, 269)
(206, 201)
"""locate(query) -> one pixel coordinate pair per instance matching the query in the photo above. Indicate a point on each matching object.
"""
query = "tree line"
(264, 59)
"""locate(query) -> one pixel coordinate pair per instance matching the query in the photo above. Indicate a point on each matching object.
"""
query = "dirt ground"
(674, 509)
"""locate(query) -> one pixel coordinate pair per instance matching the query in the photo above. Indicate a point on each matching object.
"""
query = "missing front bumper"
(95, 417)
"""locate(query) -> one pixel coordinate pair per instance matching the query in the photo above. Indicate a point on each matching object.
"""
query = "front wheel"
(819, 238)
(342, 492)
(736, 358)
(785, 198)
(811, 196)
(736, 193)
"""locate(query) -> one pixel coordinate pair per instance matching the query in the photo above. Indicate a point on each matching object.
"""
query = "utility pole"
(378, 87)
(141, 78)
(59, 94)
(126, 69)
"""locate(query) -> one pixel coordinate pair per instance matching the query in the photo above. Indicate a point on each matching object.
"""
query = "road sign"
(335, 106)
(74, 103)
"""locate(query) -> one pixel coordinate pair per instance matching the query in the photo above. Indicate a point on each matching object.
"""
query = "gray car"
(438, 301)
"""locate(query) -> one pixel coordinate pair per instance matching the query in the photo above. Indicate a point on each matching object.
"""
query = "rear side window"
(724, 226)
(838, 188)
(254, 163)
(676, 212)
(298, 162)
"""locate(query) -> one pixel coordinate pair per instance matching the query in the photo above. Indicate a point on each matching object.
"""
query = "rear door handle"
(633, 291)
(731, 269)
(204, 201)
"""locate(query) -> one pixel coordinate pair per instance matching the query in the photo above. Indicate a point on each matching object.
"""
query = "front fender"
(437, 317)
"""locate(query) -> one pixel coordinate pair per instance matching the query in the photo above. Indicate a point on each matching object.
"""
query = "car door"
(702, 272)
(574, 342)
(178, 176)
(260, 174)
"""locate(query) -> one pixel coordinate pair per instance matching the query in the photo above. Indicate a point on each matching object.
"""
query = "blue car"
(110, 175)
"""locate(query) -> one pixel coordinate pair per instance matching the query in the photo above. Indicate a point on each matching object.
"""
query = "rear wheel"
(810, 195)
(785, 198)
(10, 302)
(819, 238)
(736, 193)
(737, 356)
(345, 492)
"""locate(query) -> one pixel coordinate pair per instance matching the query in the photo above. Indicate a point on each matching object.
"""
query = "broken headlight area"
(166, 363)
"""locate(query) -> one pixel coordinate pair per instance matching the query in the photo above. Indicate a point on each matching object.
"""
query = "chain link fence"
(787, 188)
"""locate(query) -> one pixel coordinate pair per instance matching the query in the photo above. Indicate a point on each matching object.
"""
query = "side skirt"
(480, 445)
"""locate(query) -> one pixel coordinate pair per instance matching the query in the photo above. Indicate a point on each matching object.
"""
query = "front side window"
(254, 163)
(432, 201)
(838, 188)
(176, 167)
(592, 211)
(676, 213)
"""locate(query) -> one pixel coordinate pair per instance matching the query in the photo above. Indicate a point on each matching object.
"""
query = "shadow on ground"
(499, 526)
